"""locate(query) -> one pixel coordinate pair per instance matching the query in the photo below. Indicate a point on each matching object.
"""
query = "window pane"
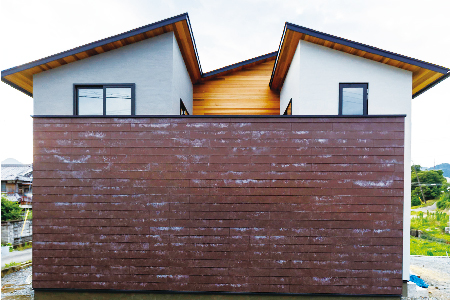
(352, 101)
(90, 101)
(118, 101)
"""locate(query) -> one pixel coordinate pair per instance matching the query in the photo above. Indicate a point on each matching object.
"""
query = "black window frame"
(286, 110)
(365, 86)
(183, 109)
(103, 86)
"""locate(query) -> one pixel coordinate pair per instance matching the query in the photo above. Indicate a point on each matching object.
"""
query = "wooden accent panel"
(242, 92)
(421, 76)
(286, 205)
(24, 79)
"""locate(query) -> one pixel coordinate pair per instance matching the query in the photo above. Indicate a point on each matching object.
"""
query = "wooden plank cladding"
(273, 205)
(242, 92)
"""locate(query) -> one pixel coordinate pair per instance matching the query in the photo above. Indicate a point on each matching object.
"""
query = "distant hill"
(11, 161)
(444, 167)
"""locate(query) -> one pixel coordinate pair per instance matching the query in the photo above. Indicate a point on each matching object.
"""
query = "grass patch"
(428, 248)
(432, 225)
(11, 265)
(27, 245)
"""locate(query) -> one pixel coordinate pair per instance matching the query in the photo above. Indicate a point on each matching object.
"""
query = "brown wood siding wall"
(244, 92)
(286, 205)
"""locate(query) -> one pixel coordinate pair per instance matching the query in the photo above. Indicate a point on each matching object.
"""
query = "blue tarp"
(418, 281)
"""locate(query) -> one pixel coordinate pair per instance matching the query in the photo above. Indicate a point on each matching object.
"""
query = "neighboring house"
(287, 173)
(17, 181)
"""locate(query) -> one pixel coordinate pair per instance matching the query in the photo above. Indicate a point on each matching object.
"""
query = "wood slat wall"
(244, 92)
(286, 205)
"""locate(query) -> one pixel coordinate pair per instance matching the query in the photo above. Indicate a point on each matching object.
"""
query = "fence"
(12, 232)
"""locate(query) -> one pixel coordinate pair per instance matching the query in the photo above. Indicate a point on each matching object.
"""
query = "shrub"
(10, 210)
(415, 201)
(444, 201)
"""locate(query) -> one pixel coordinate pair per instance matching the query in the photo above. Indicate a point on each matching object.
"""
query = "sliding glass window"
(104, 99)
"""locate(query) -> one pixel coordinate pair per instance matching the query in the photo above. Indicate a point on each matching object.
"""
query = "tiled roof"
(23, 172)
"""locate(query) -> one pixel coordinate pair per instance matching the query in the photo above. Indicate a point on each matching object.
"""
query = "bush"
(444, 201)
(10, 210)
(415, 201)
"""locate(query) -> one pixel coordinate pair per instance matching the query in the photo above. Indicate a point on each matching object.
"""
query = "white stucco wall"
(150, 64)
(182, 86)
(291, 86)
(313, 84)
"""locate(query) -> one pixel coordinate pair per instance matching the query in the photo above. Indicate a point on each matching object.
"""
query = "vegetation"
(13, 264)
(10, 210)
(444, 167)
(432, 182)
(27, 245)
(444, 201)
(429, 248)
(432, 225)
(11, 249)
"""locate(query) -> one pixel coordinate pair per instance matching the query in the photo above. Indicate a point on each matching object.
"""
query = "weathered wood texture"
(243, 92)
(286, 205)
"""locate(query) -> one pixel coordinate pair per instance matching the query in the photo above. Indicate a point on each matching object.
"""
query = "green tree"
(432, 182)
(10, 210)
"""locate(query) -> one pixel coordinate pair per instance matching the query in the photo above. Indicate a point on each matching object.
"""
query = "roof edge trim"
(278, 55)
(367, 48)
(437, 81)
(17, 87)
(101, 42)
(188, 21)
(239, 64)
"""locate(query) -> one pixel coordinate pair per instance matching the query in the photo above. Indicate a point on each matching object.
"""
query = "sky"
(227, 32)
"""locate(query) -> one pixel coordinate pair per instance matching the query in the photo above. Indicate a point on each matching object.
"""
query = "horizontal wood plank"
(280, 205)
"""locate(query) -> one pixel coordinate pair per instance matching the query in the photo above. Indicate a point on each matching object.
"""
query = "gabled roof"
(239, 66)
(22, 172)
(425, 75)
(21, 77)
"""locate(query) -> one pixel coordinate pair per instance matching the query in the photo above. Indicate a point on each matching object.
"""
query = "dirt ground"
(435, 271)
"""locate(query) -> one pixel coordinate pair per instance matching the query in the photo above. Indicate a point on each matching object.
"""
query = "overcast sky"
(227, 32)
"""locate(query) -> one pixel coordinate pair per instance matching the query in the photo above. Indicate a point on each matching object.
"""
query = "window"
(288, 110)
(104, 99)
(353, 98)
(3, 187)
(183, 110)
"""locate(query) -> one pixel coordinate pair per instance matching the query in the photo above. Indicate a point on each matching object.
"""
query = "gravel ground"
(15, 286)
(435, 271)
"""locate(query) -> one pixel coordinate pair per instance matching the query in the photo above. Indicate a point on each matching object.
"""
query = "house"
(17, 181)
(288, 173)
